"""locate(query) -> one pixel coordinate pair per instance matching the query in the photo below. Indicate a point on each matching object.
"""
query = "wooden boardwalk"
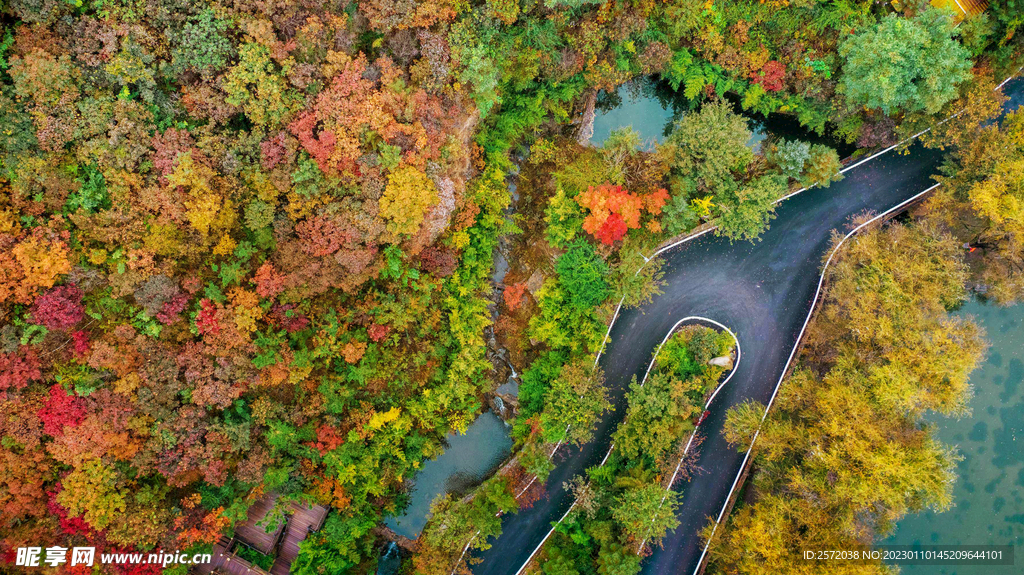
(254, 530)
(304, 521)
(282, 542)
(962, 8)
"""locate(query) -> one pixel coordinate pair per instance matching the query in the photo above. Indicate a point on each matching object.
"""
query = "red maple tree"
(59, 308)
(19, 368)
(770, 76)
(61, 410)
(513, 295)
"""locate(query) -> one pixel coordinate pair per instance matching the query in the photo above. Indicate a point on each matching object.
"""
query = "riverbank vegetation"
(844, 453)
(629, 500)
(981, 202)
(603, 209)
(246, 247)
(883, 346)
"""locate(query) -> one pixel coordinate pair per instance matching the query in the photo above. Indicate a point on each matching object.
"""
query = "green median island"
(629, 502)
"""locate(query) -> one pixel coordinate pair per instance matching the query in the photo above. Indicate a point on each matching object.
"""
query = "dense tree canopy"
(843, 454)
(247, 247)
(906, 64)
(982, 203)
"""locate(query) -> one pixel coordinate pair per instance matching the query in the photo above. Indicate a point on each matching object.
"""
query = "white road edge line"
(542, 541)
(464, 549)
(696, 318)
(689, 442)
(792, 353)
(618, 308)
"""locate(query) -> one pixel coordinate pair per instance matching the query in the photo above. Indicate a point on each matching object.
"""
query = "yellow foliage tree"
(41, 262)
(1000, 198)
(982, 203)
(379, 420)
(405, 201)
(91, 491)
(207, 208)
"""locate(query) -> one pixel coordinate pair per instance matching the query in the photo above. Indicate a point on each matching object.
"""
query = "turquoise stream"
(469, 458)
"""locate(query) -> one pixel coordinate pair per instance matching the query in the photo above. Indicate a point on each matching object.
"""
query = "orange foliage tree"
(615, 210)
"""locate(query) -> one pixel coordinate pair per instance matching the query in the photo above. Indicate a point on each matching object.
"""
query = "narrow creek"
(499, 355)
(469, 458)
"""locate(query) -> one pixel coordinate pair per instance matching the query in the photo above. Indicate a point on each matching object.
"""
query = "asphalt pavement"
(763, 292)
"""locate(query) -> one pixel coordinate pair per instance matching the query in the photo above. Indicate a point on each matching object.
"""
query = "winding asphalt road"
(763, 292)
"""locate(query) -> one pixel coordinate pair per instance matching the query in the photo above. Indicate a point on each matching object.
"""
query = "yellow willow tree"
(982, 203)
(843, 455)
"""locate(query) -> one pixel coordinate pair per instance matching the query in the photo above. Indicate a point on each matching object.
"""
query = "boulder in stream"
(723, 361)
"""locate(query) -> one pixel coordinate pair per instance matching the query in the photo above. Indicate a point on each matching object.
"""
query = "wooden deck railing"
(283, 543)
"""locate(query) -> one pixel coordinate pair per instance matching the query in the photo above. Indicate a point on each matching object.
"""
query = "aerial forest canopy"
(246, 247)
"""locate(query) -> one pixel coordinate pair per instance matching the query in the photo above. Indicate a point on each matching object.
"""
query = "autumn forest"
(246, 249)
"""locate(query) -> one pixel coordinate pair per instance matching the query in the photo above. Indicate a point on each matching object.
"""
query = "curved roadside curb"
(650, 366)
(810, 313)
(696, 428)
(696, 235)
(814, 303)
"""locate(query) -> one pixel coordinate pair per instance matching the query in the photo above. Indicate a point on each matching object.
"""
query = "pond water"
(989, 493)
(469, 459)
(635, 106)
(652, 108)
